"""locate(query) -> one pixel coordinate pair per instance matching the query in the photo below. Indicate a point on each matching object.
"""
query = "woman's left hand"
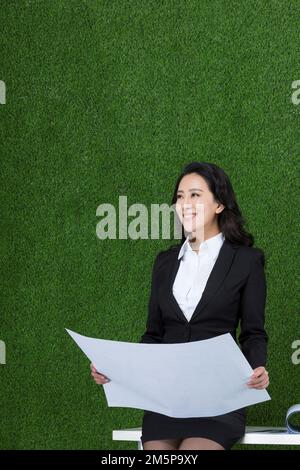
(259, 379)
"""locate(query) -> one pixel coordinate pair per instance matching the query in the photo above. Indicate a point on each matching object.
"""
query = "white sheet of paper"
(180, 380)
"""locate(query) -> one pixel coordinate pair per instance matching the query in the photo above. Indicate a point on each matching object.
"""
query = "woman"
(202, 288)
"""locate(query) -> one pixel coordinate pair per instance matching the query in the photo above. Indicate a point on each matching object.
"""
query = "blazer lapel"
(215, 279)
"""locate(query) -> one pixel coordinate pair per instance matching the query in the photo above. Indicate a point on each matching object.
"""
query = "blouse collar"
(212, 246)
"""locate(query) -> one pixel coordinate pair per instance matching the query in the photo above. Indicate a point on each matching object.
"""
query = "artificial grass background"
(109, 98)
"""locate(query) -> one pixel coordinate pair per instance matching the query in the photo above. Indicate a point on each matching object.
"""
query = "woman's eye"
(193, 194)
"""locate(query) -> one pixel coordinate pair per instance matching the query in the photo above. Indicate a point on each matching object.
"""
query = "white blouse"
(194, 271)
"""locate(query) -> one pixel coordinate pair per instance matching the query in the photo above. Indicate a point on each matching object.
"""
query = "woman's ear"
(220, 208)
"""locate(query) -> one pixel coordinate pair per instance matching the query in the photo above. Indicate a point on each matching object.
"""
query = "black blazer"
(235, 291)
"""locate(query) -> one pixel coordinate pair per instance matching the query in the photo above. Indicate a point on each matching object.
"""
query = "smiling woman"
(202, 288)
(193, 196)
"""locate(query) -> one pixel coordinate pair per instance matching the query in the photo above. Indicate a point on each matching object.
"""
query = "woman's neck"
(196, 241)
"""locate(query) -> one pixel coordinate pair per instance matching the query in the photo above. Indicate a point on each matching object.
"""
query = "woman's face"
(195, 205)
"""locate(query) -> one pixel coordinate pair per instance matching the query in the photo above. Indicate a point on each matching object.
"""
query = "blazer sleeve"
(253, 337)
(154, 326)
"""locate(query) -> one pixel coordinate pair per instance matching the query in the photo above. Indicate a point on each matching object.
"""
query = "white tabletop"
(254, 435)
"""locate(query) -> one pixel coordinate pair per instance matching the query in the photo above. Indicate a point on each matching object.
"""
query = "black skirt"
(226, 429)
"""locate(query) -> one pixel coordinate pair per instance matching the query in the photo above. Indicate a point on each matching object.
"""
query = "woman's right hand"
(99, 378)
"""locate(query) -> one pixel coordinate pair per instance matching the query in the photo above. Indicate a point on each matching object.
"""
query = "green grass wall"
(110, 98)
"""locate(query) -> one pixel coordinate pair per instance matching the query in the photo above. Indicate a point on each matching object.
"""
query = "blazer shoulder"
(252, 254)
(164, 256)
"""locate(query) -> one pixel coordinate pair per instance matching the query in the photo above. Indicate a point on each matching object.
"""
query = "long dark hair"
(230, 220)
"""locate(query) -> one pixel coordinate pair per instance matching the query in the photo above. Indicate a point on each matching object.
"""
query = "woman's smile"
(190, 216)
